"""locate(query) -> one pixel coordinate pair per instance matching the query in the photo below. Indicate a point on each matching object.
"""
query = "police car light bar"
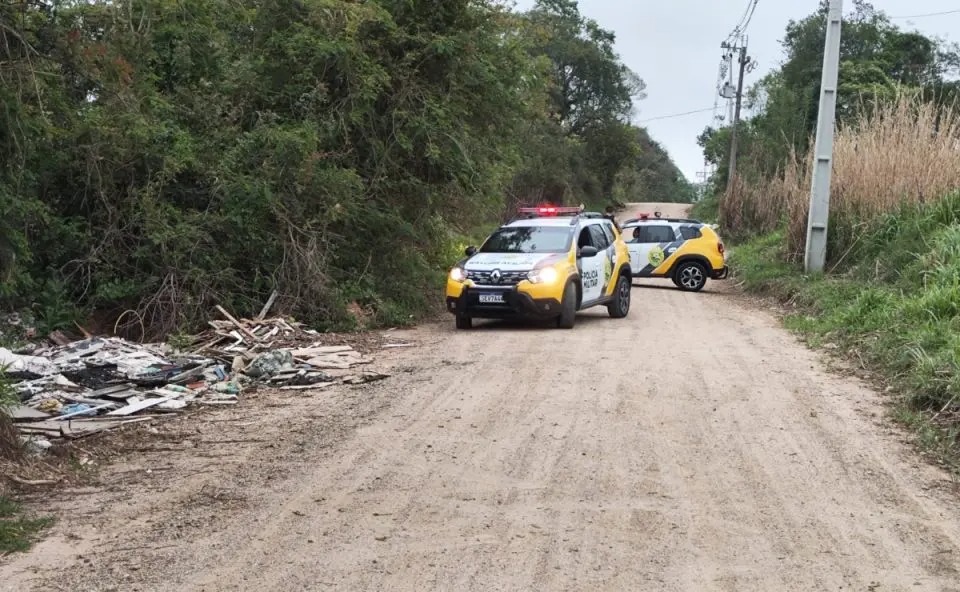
(549, 210)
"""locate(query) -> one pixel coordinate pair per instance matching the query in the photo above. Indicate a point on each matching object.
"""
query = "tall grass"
(900, 153)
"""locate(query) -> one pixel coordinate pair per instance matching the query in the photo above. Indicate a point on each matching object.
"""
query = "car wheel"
(691, 276)
(464, 322)
(568, 308)
(620, 307)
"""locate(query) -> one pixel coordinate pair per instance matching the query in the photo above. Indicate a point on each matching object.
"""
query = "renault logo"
(496, 276)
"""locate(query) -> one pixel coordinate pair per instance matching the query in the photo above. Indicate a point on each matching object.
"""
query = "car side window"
(600, 240)
(608, 230)
(654, 234)
(690, 232)
(585, 239)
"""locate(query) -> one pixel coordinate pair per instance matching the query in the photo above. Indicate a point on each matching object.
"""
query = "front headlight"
(547, 275)
(457, 274)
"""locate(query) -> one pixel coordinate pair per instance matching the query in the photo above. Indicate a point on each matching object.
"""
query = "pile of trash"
(75, 389)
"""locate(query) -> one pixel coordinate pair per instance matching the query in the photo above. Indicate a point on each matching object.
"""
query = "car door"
(650, 246)
(591, 268)
(610, 263)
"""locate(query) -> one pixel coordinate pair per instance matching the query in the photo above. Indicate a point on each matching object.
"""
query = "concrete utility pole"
(816, 254)
(734, 139)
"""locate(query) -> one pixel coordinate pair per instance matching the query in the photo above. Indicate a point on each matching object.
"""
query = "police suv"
(549, 264)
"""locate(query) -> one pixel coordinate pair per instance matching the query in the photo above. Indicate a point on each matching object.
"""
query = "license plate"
(491, 299)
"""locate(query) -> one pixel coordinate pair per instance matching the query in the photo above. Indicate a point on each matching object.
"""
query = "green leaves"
(163, 156)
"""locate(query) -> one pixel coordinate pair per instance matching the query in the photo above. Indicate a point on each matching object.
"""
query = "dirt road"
(694, 446)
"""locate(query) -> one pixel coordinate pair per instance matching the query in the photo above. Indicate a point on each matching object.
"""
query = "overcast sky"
(674, 45)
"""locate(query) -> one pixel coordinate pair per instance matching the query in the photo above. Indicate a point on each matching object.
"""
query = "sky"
(674, 45)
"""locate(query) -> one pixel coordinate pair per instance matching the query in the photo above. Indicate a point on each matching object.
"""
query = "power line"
(753, 9)
(675, 115)
(915, 16)
(744, 22)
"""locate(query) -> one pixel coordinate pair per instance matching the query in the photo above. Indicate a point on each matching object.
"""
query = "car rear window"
(690, 232)
(529, 239)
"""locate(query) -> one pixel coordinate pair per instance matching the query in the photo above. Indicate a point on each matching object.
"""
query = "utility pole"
(731, 100)
(816, 253)
(734, 139)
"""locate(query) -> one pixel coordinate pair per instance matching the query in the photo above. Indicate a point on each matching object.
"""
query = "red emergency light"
(549, 210)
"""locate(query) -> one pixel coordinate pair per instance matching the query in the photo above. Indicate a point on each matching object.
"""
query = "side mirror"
(588, 252)
(471, 251)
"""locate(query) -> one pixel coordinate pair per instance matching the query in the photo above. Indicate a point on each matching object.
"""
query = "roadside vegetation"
(890, 300)
(159, 157)
(18, 530)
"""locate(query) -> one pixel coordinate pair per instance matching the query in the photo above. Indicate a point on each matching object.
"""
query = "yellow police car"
(549, 264)
(688, 252)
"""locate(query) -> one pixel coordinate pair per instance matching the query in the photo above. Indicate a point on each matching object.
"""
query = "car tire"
(690, 276)
(464, 322)
(568, 308)
(620, 307)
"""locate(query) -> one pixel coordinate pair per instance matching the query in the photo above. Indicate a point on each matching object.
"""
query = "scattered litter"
(71, 389)
(269, 363)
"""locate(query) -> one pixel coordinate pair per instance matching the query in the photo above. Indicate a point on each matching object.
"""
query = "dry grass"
(902, 152)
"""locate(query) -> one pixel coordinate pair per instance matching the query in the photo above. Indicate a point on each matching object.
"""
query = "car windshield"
(529, 239)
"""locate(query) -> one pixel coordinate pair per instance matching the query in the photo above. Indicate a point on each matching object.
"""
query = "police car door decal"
(592, 276)
(650, 256)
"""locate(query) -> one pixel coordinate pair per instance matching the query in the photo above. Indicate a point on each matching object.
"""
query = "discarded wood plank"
(139, 406)
(236, 323)
(59, 338)
(24, 413)
(324, 363)
(305, 387)
(266, 307)
(223, 402)
(122, 420)
(393, 345)
(112, 391)
(47, 427)
(309, 352)
(22, 481)
(122, 395)
(209, 344)
(75, 429)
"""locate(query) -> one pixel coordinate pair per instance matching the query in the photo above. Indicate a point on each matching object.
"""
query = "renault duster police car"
(688, 252)
(549, 265)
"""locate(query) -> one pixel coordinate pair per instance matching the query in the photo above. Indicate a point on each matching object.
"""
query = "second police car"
(688, 252)
(548, 265)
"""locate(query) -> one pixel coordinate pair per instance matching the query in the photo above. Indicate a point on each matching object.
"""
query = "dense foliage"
(160, 156)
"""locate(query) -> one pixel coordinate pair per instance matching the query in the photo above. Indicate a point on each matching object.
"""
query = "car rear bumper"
(720, 274)
(516, 305)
